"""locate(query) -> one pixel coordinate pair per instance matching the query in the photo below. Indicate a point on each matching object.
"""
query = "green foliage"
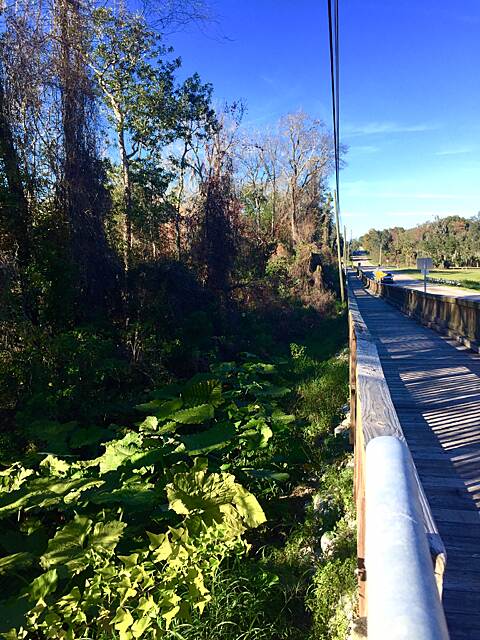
(323, 395)
(131, 542)
(73, 373)
(332, 600)
(89, 583)
(94, 568)
(278, 273)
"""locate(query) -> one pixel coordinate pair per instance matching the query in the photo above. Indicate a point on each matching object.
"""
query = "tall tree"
(138, 86)
(82, 191)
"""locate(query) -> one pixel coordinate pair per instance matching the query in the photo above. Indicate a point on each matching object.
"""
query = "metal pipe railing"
(403, 599)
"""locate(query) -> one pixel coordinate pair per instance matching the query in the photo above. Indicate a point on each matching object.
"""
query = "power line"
(337, 87)
(333, 32)
(334, 46)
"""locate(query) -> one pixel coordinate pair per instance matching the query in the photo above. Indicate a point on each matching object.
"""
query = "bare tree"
(253, 176)
(269, 150)
(306, 155)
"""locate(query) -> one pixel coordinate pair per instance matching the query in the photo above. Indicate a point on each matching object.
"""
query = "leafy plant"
(129, 540)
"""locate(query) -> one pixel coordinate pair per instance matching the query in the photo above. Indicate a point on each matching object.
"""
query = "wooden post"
(339, 250)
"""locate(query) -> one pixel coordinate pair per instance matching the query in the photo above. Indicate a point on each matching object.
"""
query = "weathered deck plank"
(434, 384)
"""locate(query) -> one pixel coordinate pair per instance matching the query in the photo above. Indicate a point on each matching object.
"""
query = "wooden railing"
(400, 573)
(456, 317)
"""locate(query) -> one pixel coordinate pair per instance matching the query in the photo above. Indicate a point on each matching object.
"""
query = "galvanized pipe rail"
(401, 557)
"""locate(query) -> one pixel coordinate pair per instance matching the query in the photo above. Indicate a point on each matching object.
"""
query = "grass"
(466, 278)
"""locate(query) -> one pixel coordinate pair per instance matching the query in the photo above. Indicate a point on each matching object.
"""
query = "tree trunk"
(178, 230)
(127, 195)
(293, 215)
(16, 218)
(274, 204)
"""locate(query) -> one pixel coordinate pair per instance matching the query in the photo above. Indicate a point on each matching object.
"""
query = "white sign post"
(424, 264)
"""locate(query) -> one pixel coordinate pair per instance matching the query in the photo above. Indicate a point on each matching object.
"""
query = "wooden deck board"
(435, 387)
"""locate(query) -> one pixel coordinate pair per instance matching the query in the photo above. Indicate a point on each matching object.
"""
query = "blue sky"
(410, 93)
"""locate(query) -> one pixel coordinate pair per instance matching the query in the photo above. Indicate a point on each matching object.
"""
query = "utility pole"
(339, 251)
(345, 246)
(380, 254)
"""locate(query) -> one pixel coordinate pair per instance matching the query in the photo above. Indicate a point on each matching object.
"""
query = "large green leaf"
(161, 409)
(40, 493)
(43, 585)
(67, 546)
(55, 466)
(149, 424)
(105, 535)
(194, 491)
(120, 451)
(197, 492)
(257, 434)
(249, 507)
(194, 415)
(134, 499)
(214, 438)
(203, 392)
(16, 561)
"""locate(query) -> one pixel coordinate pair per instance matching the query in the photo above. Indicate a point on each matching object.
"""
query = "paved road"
(410, 281)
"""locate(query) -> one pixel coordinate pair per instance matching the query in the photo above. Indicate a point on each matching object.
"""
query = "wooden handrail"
(373, 415)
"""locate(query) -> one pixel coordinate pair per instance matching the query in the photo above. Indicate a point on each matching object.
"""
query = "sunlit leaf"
(43, 585)
(105, 536)
(149, 424)
(16, 561)
(194, 415)
(123, 620)
(67, 544)
(120, 451)
(249, 507)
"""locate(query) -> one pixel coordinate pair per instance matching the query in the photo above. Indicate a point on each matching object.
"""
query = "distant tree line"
(453, 241)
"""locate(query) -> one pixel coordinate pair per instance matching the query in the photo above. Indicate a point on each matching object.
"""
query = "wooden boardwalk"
(435, 388)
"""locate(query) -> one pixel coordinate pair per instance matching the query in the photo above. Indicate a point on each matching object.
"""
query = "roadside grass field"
(467, 278)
